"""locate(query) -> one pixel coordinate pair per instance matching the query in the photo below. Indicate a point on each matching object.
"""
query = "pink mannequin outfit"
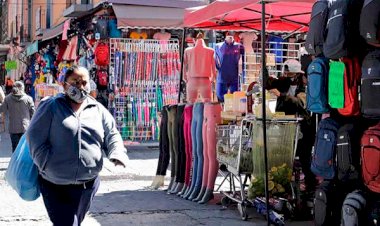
(211, 118)
(199, 71)
(188, 116)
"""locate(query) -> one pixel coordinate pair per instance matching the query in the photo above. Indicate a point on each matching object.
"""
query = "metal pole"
(263, 74)
(182, 55)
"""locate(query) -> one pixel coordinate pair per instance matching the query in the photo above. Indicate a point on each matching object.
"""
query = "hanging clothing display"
(173, 142)
(248, 38)
(188, 116)
(145, 74)
(71, 49)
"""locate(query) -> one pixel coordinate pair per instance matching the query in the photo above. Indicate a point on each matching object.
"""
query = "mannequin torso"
(248, 38)
(227, 61)
(199, 61)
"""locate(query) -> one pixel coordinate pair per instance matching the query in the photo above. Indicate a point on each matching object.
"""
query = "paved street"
(124, 198)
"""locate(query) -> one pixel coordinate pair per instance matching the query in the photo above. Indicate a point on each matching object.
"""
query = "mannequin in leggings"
(181, 158)
(212, 117)
(187, 118)
(173, 143)
(164, 157)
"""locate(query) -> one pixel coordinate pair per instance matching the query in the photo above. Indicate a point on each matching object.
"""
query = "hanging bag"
(370, 156)
(370, 85)
(316, 95)
(324, 149)
(22, 174)
(323, 203)
(317, 28)
(336, 84)
(102, 54)
(348, 153)
(353, 209)
(352, 75)
(370, 22)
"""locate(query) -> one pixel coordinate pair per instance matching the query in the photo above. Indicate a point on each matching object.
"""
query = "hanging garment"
(71, 50)
(173, 141)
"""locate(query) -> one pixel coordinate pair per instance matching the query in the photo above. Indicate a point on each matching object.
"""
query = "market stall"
(264, 17)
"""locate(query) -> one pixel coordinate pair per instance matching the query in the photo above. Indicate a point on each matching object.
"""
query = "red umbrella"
(281, 16)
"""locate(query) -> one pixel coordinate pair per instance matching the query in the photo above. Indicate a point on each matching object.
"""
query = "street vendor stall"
(267, 16)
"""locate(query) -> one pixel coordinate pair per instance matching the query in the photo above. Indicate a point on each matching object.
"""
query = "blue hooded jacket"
(67, 146)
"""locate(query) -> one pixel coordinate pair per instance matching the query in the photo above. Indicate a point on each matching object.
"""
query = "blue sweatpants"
(222, 88)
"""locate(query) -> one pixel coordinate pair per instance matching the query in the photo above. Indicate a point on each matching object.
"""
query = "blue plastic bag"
(22, 174)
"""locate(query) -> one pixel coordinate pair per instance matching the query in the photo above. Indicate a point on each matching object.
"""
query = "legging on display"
(164, 157)
(198, 85)
(212, 117)
(197, 144)
(188, 115)
(173, 138)
(181, 157)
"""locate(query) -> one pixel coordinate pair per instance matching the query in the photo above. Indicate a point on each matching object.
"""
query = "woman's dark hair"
(70, 71)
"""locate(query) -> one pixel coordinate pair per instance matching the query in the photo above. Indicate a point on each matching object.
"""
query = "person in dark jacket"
(66, 138)
(20, 109)
(291, 99)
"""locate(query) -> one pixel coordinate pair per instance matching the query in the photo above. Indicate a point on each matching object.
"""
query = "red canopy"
(281, 16)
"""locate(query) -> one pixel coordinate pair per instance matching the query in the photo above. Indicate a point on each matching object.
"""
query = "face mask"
(75, 94)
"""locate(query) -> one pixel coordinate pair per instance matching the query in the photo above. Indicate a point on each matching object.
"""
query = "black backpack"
(348, 153)
(323, 204)
(317, 28)
(343, 37)
(370, 85)
(370, 21)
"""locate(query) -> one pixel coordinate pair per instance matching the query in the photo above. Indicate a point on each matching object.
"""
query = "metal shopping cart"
(234, 153)
(240, 148)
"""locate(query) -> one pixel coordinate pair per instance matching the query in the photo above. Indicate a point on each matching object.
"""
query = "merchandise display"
(145, 77)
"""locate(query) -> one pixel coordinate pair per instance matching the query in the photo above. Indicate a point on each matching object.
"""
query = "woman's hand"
(275, 92)
(117, 162)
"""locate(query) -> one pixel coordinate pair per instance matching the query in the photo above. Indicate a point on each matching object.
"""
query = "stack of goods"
(344, 86)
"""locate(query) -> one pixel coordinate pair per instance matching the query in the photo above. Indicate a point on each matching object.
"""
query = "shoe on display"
(209, 195)
(195, 193)
(200, 195)
(158, 182)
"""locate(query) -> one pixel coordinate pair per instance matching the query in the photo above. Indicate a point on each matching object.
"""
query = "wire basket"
(281, 144)
(234, 147)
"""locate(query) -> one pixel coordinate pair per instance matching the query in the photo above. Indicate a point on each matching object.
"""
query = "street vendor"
(291, 99)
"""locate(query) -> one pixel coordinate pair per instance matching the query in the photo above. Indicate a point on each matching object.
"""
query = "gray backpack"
(353, 209)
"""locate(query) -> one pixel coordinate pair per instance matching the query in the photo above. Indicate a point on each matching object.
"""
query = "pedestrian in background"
(8, 85)
(20, 109)
(66, 138)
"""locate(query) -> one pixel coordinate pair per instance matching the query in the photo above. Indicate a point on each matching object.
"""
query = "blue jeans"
(67, 204)
(197, 143)
(222, 88)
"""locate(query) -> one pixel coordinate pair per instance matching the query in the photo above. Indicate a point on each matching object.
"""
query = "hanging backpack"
(316, 95)
(348, 153)
(352, 75)
(353, 209)
(336, 84)
(322, 163)
(370, 22)
(102, 78)
(317, 28)
(323, 204)
(370, 85)
(102, 54)
(370, 157)
(342, 37)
